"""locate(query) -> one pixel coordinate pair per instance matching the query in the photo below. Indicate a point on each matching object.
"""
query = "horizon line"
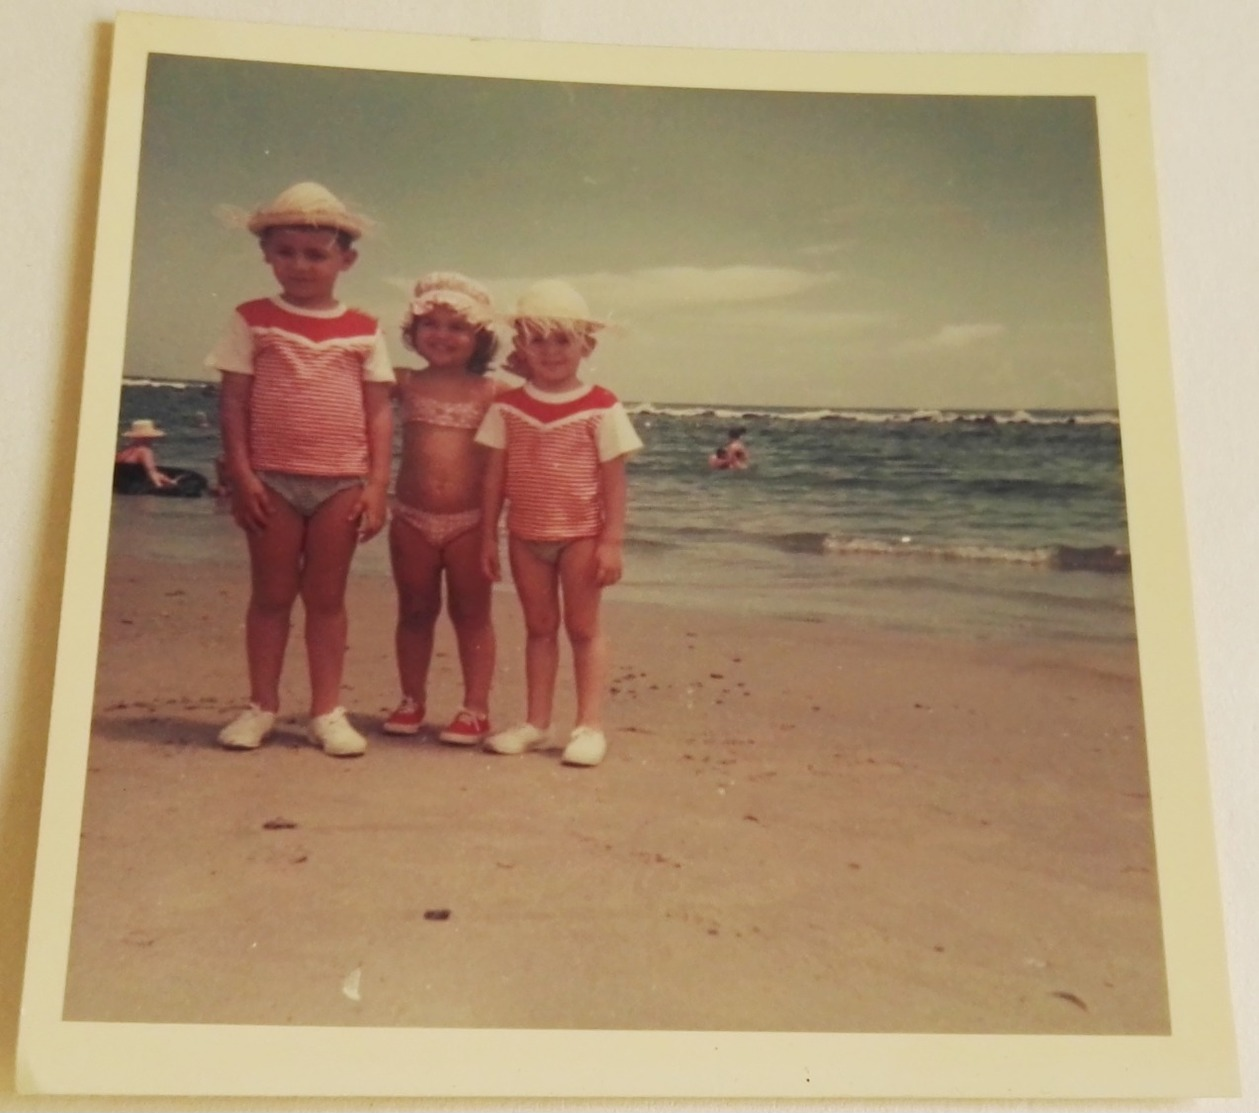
(958, 408)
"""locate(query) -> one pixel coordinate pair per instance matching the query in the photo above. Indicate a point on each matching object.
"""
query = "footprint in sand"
(885, 766)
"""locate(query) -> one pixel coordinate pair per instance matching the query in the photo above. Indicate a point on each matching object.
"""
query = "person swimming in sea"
(733, 455)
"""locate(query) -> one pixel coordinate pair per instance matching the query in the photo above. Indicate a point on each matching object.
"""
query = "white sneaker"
(517, 740)
(248, 729)
(586, 746)
(335, 734)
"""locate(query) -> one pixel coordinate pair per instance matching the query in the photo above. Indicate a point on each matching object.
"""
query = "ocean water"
(984, 525)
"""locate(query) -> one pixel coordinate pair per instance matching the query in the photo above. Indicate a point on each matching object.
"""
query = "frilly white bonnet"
(464, 295)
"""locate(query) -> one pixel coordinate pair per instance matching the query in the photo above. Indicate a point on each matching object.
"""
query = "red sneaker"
(407, 719)
(466, 729)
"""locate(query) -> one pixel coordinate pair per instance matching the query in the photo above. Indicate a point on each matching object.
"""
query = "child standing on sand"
(435, 530)
(306, 432)
(558, 453)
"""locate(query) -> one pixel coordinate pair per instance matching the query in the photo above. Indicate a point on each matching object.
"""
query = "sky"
(823, 250)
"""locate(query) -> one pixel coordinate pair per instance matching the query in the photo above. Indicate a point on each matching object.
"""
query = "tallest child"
(306, 432)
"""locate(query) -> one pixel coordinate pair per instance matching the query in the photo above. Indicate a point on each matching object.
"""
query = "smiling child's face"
(554, 358)
(444, 338)
(306, 263)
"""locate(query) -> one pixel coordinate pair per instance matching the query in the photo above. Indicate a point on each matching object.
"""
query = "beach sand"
(800, 826)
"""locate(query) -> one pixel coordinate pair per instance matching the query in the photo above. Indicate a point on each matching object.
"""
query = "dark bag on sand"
(130, 479)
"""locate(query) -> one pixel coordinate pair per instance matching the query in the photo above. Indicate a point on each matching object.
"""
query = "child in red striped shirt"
(307, 429)
(558, 450)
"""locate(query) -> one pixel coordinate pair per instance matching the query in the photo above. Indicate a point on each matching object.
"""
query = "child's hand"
(489, 559)
(369, 512)
(608, 566)
(251, 505)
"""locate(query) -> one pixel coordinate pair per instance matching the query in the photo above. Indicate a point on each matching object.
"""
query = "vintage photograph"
(615, 556)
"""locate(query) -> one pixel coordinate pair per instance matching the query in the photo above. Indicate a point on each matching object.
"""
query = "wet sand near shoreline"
(800, 826)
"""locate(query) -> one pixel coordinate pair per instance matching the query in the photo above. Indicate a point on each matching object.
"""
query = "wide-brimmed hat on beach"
(306, 205)
(466, 296)
(554, 304)
(143, 428)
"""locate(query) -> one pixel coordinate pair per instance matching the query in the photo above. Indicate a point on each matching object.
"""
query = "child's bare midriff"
(441, 469)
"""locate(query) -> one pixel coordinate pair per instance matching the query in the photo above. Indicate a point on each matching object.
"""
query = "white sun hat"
(466, 296)
(553, 303)
(307, 204)
(143, 428)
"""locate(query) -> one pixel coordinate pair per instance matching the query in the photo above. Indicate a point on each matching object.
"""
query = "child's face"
(553, 359)
(444, 339)
(306, 263)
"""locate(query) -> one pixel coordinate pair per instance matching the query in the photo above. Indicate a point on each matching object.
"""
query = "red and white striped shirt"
(554, 444)
(306, 414)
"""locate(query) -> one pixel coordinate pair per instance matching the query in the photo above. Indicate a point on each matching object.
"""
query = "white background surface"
(1205, 96)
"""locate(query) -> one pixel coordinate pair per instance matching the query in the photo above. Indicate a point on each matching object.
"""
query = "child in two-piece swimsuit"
(436, 512)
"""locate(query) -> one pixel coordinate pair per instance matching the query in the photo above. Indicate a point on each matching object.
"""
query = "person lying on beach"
(306, 431)
(558, 450)
(138, 457)
(434, 531)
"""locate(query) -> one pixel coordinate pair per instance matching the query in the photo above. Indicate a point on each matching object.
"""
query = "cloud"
(791, 321)
(962, 336)
(834, 247)
(951, 338)
(681, 287)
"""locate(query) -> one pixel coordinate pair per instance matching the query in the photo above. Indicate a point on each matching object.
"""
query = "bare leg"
(537, 585)
(275, 561)
(469, 599)
(331, 538)
(417, 574)
(581, 622)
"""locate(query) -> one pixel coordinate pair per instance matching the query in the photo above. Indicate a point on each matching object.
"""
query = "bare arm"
(608, 560)
(370, 511)
(401, 376)
(491, 510)
(143, 455)
(250, 504)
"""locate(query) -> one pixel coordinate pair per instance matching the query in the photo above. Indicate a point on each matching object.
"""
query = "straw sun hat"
(307, 204)
(143, 428)
(464, 295)
(553, 303)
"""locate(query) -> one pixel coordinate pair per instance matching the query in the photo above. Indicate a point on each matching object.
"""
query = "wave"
(722, 413)
(878, 417)
(1059, 558)
(202, 385)
(1014, 487)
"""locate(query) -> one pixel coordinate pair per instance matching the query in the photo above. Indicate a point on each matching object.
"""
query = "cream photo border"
(1196, 1059)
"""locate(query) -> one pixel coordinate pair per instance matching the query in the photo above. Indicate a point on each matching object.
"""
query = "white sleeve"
(234, 350)
(493, 430)
(378, 367)
(617, 435)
